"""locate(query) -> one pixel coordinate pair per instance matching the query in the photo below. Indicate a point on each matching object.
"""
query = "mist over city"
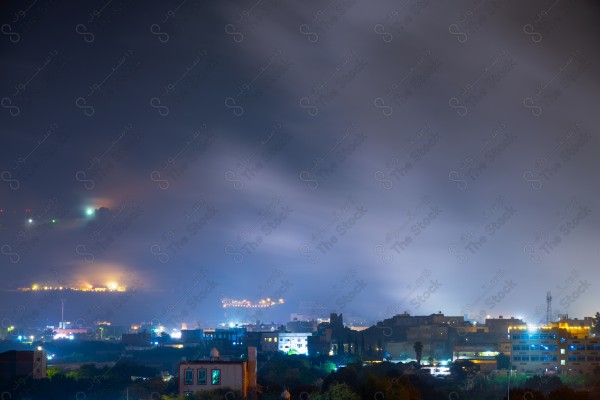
(402, 193)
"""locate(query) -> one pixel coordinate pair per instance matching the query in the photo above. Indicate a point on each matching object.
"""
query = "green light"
(53, 221)
(89, 211)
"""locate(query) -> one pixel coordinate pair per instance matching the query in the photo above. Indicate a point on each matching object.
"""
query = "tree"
(529, 394)
(463, 370)
(502, 361)
(164, 337)
(544, 383)
(596, 324)
(418, 346)
(566, 393)
(51, 372)
(362, 343)
(337, 391)
(430, 360)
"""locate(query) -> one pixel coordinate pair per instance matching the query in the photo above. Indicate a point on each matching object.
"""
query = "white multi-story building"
(293, 343)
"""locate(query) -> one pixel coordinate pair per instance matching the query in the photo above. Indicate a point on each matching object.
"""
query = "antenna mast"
(548, 308)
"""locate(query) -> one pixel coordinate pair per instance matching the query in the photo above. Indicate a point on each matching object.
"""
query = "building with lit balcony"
(556, 348)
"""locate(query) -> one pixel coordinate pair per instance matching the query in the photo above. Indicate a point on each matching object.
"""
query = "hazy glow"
(262, 303)
(175, 334)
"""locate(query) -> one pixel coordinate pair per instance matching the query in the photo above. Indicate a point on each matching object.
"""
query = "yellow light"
(35, 287)
(112, 286)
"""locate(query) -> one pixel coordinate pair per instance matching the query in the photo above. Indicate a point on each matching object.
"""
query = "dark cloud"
(371, 158)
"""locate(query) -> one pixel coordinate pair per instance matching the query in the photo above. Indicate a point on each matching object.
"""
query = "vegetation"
(219, 394)
(502, 361)
(307, 378)
(338, 391)
(418, 346)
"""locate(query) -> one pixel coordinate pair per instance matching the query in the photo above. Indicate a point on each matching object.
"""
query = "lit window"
(189, 377)
(562, 351)
(202, 376)
(562, 362)
(215, 377)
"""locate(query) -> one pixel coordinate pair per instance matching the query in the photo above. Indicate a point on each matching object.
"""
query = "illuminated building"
(214, 373)
(228, 336)
(555, 348)
(498, 327)
(269, 342)
(293, 343)
(482, 355)
(71, 333)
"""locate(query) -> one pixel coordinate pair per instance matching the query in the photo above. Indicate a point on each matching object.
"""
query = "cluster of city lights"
(263, 303)
(561, 325)
(110, 287)
(89, 212)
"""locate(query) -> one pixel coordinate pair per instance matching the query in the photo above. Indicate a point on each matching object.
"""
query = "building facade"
(293, 343)
(557, 348)
(270, 342)
(205, 375)
(21, 364)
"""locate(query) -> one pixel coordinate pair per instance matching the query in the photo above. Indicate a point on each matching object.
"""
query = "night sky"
(349, 156)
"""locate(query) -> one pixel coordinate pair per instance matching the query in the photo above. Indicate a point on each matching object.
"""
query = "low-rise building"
(192, 336)
(269, 342)
(482, 355)
(298, 326)
(137, 340)
(227, 336)
(293, 343)
(22, 364)
(214, 373)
